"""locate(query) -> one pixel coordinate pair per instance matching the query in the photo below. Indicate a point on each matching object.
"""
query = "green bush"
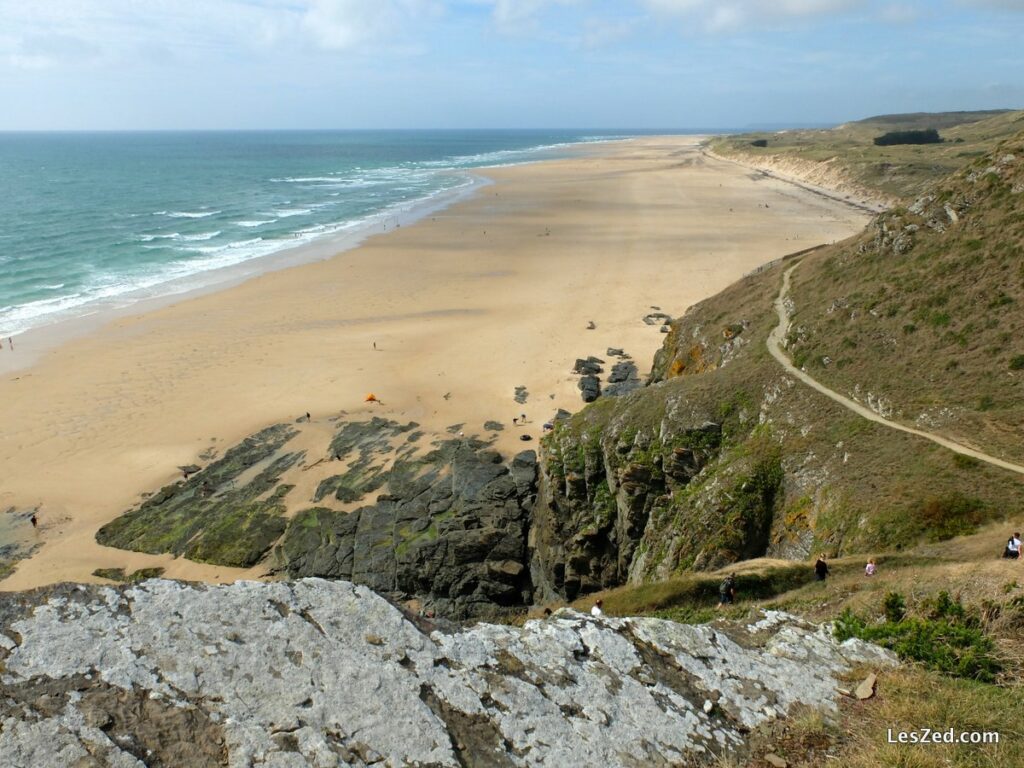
(895, 607)
(945, 517)
(1017, 363)
(949, 640)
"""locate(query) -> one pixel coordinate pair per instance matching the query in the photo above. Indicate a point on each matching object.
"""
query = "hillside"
(845, 157)
(922, 315)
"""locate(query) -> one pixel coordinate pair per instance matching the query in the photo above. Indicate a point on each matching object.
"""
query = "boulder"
(588, 367)
(590, 388)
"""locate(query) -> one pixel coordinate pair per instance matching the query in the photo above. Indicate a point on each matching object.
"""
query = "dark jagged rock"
(562, 414)
(450, 530)
(18, 539)
(623, 371)
(657, 318)
(522, 394)
(623, 388)
(588, 367)
(211, 517)
(615, 352)
(494, 426)
(590, 388)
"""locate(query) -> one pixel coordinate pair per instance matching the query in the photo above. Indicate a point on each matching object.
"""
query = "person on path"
(727, 591)
(869, 569)
(596, 610)
(821, 568)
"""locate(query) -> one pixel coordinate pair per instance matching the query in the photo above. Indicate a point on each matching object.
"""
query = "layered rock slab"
(318, 673)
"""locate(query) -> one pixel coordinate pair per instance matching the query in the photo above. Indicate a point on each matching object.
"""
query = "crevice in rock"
(476, 741)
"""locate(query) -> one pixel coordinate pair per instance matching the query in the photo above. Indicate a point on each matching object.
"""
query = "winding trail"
(775, 348)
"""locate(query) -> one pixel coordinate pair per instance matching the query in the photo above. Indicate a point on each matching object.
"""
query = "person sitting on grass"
(1013, 547)
(727, 591)
(869, 569)
(596, 609)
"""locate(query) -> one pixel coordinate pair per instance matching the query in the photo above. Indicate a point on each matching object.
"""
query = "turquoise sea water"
(94, 217)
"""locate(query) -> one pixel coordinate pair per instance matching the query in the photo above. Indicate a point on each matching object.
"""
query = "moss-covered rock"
(229, 513)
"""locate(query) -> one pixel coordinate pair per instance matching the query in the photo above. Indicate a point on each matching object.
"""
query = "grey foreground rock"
(320, 673)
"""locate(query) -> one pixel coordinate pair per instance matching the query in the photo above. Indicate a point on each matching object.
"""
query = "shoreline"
(66, 325)
(94, 315)
(494, 292)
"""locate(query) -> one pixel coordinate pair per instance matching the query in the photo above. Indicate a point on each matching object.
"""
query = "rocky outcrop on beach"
(317, 673)
(450, 531)
(444, 522)
(211, 516)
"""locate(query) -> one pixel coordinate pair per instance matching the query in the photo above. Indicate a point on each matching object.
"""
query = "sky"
(712, 64)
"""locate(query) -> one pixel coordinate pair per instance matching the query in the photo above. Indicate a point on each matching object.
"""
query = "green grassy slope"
(923, 314)
(897, 172)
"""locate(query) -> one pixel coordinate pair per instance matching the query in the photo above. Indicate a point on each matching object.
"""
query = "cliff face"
(725, 457)
(321, 673)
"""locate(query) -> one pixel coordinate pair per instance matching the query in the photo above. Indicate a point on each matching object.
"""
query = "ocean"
(105, 219)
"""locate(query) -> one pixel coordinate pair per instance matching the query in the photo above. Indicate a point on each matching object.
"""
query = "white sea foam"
(190, 214)
(419, 182)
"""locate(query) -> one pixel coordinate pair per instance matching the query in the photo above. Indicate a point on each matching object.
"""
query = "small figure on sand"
(375, 345)
(10, 341)
(515, 421)
(307, 416)
(34, 520)
(522, 418)
(372, 398)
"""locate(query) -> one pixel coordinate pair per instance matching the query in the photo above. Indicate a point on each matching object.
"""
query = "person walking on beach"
(821, 568)
(34, 520)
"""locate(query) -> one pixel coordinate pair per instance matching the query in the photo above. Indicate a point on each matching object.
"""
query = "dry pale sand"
(493, 292)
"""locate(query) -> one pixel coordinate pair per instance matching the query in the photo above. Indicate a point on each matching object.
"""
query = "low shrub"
(949, 639)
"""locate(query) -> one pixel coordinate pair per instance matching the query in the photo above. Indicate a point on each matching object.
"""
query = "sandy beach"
(492, 293)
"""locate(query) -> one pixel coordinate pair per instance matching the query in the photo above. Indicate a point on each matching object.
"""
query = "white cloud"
(343, 24)
(727, 15)
(1002, 5)
(899, 13)
(38, 33)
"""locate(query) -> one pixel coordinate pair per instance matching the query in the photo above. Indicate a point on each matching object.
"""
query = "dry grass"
(908, 698)
(897, 171)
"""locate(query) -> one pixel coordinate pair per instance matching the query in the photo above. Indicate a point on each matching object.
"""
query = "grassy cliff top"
(899, 172)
